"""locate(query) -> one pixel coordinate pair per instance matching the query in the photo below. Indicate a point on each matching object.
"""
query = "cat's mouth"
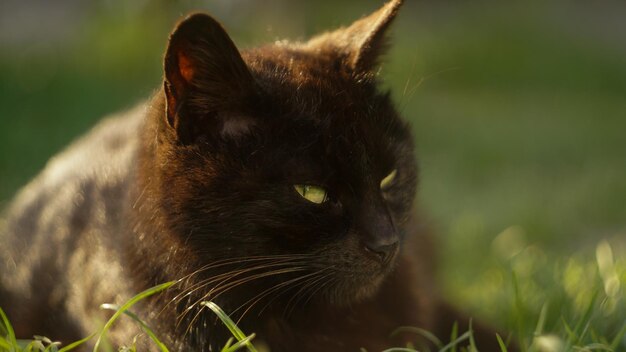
(362, 278)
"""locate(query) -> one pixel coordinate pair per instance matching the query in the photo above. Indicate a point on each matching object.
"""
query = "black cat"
(277, 182)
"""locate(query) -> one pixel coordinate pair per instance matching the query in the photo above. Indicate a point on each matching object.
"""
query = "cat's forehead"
(291, 59)
(316, 86)
(325, 114)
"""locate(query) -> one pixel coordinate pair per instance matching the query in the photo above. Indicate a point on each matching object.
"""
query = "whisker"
(326, 283)
(243, 270)
(186, 291)
(202, 283)
(228, 261)
(308, 286)
(256, 299)
(221, 279)
(220, 290)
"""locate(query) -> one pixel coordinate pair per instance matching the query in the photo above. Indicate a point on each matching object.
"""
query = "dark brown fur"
(196, 185)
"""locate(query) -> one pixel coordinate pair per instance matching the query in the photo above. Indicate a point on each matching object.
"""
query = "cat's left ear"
(361, 44)
(204, 75)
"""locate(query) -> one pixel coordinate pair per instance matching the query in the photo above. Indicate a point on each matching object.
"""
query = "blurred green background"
(518, 108)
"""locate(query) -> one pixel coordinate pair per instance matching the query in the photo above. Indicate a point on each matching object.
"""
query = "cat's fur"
(197, 184)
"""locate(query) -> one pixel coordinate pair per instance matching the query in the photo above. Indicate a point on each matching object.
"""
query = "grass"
(583, 311)
(9, 342)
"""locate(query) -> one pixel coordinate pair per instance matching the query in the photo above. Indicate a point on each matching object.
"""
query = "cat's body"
(198, 184)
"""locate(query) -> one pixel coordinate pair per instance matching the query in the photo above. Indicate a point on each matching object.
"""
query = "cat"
(277, 181)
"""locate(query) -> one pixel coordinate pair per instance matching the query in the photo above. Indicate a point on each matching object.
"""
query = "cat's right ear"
(360, 45)
(204, 74)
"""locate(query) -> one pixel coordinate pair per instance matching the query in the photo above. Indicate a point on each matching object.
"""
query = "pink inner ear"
(185, 67)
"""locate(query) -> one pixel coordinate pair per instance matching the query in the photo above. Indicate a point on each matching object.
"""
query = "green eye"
(311, 193)
(388, 180)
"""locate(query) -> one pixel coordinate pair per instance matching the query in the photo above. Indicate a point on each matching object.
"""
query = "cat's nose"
(383, 250)
(380, 237)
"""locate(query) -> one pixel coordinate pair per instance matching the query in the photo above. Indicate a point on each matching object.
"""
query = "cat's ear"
(361, 44)
(204, 72)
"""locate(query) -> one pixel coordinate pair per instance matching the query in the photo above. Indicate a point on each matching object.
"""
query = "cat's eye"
(386, 182)
(314, 194)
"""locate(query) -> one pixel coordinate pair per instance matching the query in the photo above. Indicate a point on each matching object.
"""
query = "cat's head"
(287, 151)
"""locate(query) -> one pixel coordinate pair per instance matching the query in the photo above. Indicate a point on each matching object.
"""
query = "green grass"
(242, 339)
(9, 342)
(582, 310)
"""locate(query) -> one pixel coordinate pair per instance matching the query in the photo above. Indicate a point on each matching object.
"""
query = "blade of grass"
(583, 333)
(142, 323)
(143, 295)
(234, 329)
(227, 344)
(9, 329)
(471, 338)
(595, 347)
(418, 331)
(35, 345)
(584, 319)
(75, 344)
(571, 336)
(24, 345)
(53, 347)
(4, 345)
(240, 344)
(519, 307)
(542, 319)
(618, 338)
(501, 343)
(454, 334)
(454, 343)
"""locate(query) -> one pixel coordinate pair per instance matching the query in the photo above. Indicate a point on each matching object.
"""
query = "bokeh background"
(518, 109)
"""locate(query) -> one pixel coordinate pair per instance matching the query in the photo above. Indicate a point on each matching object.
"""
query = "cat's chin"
(351, 294)
(355, 289)
(355, 286)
